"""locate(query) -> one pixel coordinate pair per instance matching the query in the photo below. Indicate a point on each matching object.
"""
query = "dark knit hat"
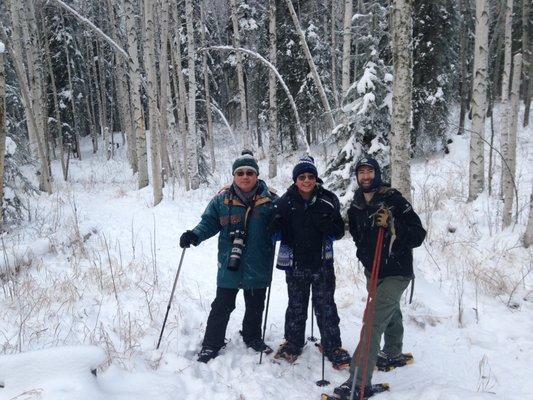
(372, 163)
(305, 164)
(245, 161)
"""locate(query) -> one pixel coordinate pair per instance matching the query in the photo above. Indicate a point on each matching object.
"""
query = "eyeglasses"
(248, 172)
(303, 177)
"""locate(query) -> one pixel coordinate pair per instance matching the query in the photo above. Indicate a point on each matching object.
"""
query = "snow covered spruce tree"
(366, 109)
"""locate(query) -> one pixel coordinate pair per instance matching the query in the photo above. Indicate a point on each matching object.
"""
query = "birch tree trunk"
(2, 130)
(504, 119)
(402, 51)
(240, 77)
(346, 46)
(205, 69)
(135, 85)
(95, 94)
(191, 57)
(510, 173)
(150, 65)
(165, 80)
(528, 235)
(182, 97)
(272, 91)
(103, 101)
(312, 66)
(479, 101)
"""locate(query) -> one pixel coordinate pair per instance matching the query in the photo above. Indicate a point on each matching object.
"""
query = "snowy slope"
(103, 260)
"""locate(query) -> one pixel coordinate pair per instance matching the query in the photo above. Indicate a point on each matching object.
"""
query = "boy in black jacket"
(308, 217)
(377, 205)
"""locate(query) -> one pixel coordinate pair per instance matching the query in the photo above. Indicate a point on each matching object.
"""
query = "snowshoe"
(207, 353)
(386, 363)
(339, 358)
(259, 346)
(288, 352)
(343, 391)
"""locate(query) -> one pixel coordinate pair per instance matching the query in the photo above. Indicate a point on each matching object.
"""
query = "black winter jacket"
(305, 225)
(397, 254)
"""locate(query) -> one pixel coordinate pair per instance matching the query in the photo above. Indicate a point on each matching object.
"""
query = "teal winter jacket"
(225, 214)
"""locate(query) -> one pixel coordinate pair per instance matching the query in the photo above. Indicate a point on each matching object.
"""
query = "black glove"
(188, 238)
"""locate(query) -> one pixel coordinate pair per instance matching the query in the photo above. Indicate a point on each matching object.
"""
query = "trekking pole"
(323, 382)
(171, 297)
(312, 338)
(276, 252)
(368, 318)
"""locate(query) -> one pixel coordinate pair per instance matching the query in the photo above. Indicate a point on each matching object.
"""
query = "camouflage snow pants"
(299, 283)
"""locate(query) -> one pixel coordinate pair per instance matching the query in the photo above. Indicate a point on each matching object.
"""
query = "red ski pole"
(368, 317)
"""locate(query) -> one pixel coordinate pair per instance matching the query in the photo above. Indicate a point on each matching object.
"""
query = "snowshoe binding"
(207, 353)
(386, 363)
(339, 358)
(259, 346)
(288, 352)
(343, 391)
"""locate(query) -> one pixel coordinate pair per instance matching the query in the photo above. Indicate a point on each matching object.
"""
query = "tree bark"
(208, 111)
(182, 98)
(150, 65)
(510, 173)
(402, 32)
(135, 85)
(2, 130)
(312, 66)
(479, 101)
(463, 61)
(528, 61)
(272, 94)
(528, 235)
(240, 77)
(346, 46)
(504, 119)
(165, 80)
(193, 138)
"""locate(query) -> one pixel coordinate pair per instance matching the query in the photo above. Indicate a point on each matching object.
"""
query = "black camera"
(236, 250)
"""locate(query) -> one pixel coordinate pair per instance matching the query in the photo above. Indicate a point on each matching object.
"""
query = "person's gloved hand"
(276, 223)
(383, 218)
(188, 238)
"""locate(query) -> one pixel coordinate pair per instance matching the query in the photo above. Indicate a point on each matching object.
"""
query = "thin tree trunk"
(510, 174)
(240, 77)
(93, 77)
(2, 131)
(272, 92)
(57, 112)
(150, 65)
(528, 235)
(182, 98)
(193, 137)
(479, 101)
(103, 101)
(208, 110)
(528, 59)
(164, 74)
(334, 52)
(463, 61)
(135, 85)
(402, 32)
(312, 66)
(504, 119)
(346, 46)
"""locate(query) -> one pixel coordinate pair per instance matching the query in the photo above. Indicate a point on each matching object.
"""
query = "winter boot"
(339, 358)
(259, 346)
(344, 390)
(207, 353)
(288, 352)
(385, 362)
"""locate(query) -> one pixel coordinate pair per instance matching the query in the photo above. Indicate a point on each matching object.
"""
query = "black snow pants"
(299, 283)
(221, 309)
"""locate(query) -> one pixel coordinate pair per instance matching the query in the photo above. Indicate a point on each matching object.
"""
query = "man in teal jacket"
(241, 213)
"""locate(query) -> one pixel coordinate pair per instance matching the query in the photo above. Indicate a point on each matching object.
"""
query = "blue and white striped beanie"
(305, 164)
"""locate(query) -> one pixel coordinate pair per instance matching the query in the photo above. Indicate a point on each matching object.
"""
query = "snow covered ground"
(96, 265)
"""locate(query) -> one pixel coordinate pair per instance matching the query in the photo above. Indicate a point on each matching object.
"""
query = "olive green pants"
(387, 322)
